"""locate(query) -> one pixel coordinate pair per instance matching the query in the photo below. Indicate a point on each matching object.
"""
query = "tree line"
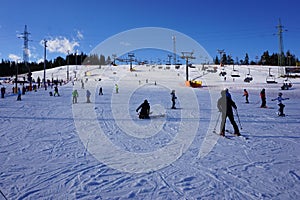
(9, 68)
(287, 59)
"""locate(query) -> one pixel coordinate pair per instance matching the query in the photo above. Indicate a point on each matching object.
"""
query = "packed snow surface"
(51, 148)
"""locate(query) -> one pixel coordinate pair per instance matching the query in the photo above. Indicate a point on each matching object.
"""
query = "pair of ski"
(231, 135)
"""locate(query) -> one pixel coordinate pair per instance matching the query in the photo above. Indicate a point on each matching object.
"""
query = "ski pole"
(217, 122)
(237, 114)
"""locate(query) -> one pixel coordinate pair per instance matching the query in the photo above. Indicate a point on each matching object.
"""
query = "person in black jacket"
(225, 105)
(145, 110)
(173, 98)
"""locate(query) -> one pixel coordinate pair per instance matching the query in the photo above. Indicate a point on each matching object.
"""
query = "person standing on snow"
(88, 95)
(173, 98)
(100, 91)
(19, 94)
(74, 95)
(2, 92)
(145, 110)
(117, 88)
(56, 91)
(263, 98)
(280, 104)
(225, 105)
(246, 95)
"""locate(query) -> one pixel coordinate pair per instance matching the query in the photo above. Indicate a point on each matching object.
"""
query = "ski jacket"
(263, 94)
(145, 108)
(245, 93)
(225, 105)
(279, 99)
(75, 93)
(88, 93)
(173, 96)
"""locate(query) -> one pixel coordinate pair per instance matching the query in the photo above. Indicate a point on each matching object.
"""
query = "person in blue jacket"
(280, 104)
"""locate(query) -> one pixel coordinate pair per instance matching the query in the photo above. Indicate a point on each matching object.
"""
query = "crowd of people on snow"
(225, 104)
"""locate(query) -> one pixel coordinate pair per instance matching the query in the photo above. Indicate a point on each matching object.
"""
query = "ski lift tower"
(221, 52)
(131, 56)
(187, 56)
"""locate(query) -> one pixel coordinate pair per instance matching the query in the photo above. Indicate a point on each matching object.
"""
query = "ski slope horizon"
(53, 149)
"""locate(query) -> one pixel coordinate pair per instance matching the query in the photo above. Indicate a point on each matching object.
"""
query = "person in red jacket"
(263, 98)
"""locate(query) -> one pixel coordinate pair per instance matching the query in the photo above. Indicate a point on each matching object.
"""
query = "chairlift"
(270, 78)
(235, 73)
(248, 77)
(287, 84)
(223, 72)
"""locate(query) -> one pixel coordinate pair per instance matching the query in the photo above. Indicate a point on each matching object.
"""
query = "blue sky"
(237, 26)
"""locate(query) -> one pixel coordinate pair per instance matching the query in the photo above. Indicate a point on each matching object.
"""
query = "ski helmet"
(279, 94)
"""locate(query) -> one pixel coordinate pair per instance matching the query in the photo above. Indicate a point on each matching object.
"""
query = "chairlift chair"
(235, 73)
(271, 79)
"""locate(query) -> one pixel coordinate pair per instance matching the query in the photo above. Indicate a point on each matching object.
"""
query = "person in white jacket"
(280, 104)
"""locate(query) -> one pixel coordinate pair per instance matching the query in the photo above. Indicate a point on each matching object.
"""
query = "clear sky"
(237, 26)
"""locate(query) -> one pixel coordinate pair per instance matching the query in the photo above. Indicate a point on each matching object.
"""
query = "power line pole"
(68, 65)
(45, 48)
(24, 36)
(174, 50)
(281, 53)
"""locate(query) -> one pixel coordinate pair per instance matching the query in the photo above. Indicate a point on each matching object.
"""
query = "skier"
(225, 105)
(280, 104)
(75, 95)
(82, 84)
(100, 91)
(117, 88)
(173, 99)
(2, 91)
(56, 91)
(145, 110)
(263, 98)
(88, 95)
(246, 95)
(19, 94)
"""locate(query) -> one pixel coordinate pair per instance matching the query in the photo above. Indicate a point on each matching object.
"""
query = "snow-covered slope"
(53, 149)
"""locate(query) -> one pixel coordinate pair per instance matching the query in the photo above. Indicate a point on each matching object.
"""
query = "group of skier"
(225, 105)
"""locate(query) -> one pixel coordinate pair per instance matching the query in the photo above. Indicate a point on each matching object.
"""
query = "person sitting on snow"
(280, 104)
(145, 110)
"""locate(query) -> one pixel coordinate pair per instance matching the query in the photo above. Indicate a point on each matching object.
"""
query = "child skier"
(246, 95)
(145, 110)
(173, 97)
(280, 104)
